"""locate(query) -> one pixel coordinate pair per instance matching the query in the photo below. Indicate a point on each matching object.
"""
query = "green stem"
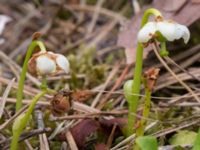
(145, 114)
(19, 126)
(133, 104)
(44, 83)
(32, 46)
(138, 72)
(163, 50)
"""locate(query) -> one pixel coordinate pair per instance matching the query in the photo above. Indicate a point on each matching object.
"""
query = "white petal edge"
(145, 34)
(167, 29)
(45, 65)
(63, 63)
(184, 31)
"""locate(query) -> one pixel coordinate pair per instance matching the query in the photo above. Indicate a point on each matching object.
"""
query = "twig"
(102, 11)
(6, 123)
(5, 95)
(70, 140)
(115, 86)
(26, 135)
(42, 137)
(155, 48)
(89, 115)
(174, 63)
(111, 75)
(110, 139)
(95, 16)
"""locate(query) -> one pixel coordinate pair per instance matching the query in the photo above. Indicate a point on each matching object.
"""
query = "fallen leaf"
(107, 125)
(195, 1)
(82, 95)
(183, 137)
(101, 146)
(83, 130)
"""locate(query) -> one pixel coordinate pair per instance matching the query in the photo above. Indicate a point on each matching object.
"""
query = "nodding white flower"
(168, 29)
(48, 63)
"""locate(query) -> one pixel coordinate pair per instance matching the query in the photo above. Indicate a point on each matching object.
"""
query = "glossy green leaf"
(183, 137)
(197, 142)
(147, 143)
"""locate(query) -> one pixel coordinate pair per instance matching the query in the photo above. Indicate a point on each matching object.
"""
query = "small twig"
(26, 135)
(155, 48)
(70, 140)
(89, 115)
(131, 138)
(187, 72)
(115, 86)
(40, 123)
(173, 147)
(28, 144)
(5, 95)
(6, 123)
(111, 75)
(110, 139)
(95, 16)
(102, 11)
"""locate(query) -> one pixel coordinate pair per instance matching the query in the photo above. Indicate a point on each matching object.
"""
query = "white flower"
(170, 30)
(48, 63)
(45, 65)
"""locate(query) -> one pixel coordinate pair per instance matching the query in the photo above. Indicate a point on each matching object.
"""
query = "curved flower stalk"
(42, 63)
(21, 121)
(132, 88)
(161, 31)
(31, 48)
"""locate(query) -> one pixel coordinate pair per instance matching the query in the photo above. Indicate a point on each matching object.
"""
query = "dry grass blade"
(103, 11)
(174, 63)
(42, 137)
(5, 95)
(70, 140)
(155, 48)
(111, 75)
(6, 123)
(110, 139)
(95, 16)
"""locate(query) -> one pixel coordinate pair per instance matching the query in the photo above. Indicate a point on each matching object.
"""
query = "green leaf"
(183, 137)
(197, 142)
(147, 143)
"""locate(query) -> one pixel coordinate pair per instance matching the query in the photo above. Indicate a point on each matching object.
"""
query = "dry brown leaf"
(195, 1)
(107, 125)
(83, 129)
(101, 146)
(184, 12)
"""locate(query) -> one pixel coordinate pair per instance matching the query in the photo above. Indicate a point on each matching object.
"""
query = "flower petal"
(146, 33)
(45, 65)
(183, 31)
(167, 29)
(173, 31)
(63, 63)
